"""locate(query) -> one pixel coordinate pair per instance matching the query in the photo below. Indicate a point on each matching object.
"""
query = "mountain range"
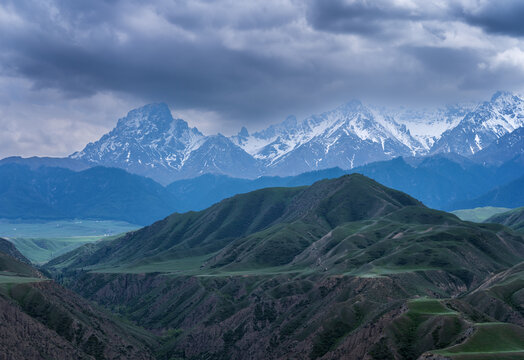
(150, 142)
(343, 269)
(442, 181)
(47, 193)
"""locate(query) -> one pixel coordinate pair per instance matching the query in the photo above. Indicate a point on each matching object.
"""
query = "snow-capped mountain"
(149, 141)
(503, 149)
(427, 125)
(347, 136)
(486, 123)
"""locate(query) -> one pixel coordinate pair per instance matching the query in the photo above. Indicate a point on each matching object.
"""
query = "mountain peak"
(352, 105)
(150, 113)
(291, 121)
(504, 97)
(243, 132)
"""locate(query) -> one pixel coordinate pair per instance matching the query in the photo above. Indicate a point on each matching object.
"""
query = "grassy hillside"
(13, 263)
(301, 215)
(490, 341)
(512, 218)
(344, 266)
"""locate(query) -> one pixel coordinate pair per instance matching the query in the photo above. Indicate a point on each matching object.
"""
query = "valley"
(359, 262)
(262, 180)
(42, 241)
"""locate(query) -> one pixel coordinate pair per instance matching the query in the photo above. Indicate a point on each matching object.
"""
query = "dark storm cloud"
(191, 73)
(500, 17)
(447, 62)
(359, 17)
(248, 62)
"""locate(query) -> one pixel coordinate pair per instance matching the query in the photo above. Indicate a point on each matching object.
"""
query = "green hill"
(344, 266)
(300, 214)
(40, 241)
(52, 193)
(513, 219)
(14, 267)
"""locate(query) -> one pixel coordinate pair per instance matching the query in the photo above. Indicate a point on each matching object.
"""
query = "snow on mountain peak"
(149, 141)
(486, 123)
(505, 97)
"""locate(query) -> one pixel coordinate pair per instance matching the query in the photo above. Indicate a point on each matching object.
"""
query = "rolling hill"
(344, 268)
(512, 218)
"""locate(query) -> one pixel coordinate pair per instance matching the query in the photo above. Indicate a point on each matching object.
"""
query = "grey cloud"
(500, 17)
(359, 17)
(244, 84)
(249, 63)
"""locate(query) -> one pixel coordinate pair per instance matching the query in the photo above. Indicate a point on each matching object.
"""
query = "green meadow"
(490, 341)
(479, 214)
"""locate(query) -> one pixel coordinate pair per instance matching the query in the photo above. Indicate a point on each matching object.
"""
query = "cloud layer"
(69, 69)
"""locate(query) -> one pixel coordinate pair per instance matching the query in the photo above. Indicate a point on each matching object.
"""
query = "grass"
(479, 214)
(41, 250)
(183, 266)
(429, 306)
(490, 339)
(13, 279)
(63, 228)
(378, 271)
(192, 266)
(43, 241)
(427, 324)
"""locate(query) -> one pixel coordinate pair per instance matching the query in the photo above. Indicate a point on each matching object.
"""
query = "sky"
(70, 69)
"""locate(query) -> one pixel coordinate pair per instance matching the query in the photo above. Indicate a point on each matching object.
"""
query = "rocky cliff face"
(44, 320)
(41, 319)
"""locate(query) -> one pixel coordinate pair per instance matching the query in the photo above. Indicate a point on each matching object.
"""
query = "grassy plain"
(41, 241)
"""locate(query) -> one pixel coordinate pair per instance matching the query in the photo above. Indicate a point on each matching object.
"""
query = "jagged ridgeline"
(344, 268)
(150, 142)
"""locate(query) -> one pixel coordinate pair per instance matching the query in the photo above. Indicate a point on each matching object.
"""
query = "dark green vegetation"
(344, 268)
(490, 341)
(50, 193)
(14, 267)
(248, 229)
(513, 219)
(42, 320)
(41, 241)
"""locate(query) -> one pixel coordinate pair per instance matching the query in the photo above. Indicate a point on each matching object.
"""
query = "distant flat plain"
(40, 241)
